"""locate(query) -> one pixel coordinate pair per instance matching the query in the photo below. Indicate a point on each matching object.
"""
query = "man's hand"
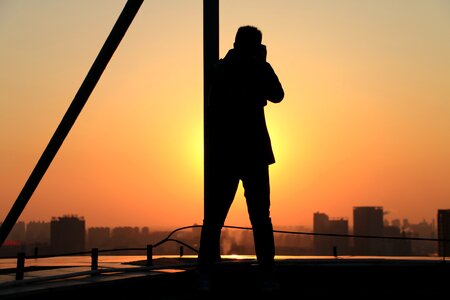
(262, 53)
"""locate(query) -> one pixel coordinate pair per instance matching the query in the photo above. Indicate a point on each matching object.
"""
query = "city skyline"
(348, 218)
(364, 120)
(69, 234)
(307, 224)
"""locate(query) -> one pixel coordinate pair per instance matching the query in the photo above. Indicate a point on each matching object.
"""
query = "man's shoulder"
(221, 66)
(221, 62)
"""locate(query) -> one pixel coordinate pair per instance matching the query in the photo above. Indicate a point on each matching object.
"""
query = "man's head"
(248, 39)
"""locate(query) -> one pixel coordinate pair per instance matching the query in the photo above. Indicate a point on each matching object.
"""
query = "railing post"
(335, 251)
(149, 255)
(94, 259)
(20, 265)
(181, 251)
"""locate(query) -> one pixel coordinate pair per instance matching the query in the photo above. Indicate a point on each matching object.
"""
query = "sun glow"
(193, 147)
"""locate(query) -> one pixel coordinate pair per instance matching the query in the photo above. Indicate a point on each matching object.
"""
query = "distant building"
(444, 231)
(422, 230)
(67, 234)
(37, 233)
(126, 236)
(340, 226)
(396, 247)
(99, 237)
(321, 243)
(368, 221)
(15, 240)
(17, 233)
(325, 245)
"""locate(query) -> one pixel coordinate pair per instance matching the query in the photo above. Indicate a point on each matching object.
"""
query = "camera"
(261, 52)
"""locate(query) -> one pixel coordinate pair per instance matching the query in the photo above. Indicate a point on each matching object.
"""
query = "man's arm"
(274, 90)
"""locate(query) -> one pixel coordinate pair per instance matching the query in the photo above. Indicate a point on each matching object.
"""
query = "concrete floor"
(238, 279)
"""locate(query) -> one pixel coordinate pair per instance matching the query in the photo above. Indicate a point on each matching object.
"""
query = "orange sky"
(365, 120)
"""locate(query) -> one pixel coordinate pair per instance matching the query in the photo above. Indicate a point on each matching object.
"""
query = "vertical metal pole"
(149, 255)
(94, 259)
(210, 57)
(112, 42)
(20, 270)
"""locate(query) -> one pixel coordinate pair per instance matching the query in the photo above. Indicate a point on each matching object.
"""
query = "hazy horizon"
(169, 228)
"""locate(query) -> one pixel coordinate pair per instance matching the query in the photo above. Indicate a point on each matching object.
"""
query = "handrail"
(20, 269)
(174, 231)
(169, 239)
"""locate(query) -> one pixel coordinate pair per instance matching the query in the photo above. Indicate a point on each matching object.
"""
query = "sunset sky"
(365, 120)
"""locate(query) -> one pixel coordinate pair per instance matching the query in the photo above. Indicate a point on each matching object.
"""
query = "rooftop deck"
(175, 278)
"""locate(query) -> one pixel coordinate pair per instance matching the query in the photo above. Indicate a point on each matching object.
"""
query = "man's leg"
(224, 184)
(257, 193)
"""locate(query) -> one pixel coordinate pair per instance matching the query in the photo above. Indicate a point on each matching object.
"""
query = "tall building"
(67, 234)
(37, 233)
(340, 226)
(368, 221)
(444, 231)
(321, 243)
(325, 245)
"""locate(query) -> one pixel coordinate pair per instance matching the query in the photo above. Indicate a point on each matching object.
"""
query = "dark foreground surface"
(299, 279)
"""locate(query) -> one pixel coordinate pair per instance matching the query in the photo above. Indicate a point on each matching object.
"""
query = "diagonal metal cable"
(112, 42)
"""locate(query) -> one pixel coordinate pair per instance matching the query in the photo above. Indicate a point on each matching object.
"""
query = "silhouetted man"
(240, 149)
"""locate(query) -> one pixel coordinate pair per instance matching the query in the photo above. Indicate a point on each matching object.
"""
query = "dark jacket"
(239, 92)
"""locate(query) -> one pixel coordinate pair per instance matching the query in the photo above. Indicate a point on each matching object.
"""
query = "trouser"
(224, 183)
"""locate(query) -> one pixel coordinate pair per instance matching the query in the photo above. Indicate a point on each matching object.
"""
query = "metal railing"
(94, 252)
